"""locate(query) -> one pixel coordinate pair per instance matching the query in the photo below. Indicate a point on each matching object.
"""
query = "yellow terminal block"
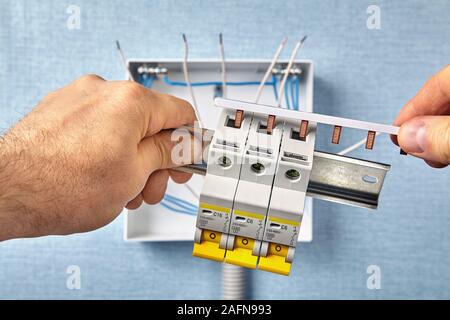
(209, 248)
(275, 261)
(241, 254)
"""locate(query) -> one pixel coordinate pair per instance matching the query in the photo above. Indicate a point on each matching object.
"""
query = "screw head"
(292, 174)
(257, 167)
(224, 161)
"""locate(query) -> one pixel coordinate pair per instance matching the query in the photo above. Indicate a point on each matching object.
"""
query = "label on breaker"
(247, 224)
(213, 217)
(282, 231)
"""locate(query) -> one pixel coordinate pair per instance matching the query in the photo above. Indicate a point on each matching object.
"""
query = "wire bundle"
(291, 92)
(179, 205)
(169, 82)
(147, 80)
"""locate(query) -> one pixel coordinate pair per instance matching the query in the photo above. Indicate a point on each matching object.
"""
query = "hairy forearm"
(34, 183)
(12, 209)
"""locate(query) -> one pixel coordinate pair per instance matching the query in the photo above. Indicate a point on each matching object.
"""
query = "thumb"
(168, 149)
(427, 137)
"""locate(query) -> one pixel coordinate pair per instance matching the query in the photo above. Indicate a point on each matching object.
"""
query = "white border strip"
(308, 116)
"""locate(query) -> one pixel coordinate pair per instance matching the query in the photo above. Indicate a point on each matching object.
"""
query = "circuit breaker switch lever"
(209, 246)
(276, 260)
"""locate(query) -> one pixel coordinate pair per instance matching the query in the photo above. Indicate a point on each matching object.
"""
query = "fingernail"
(413, 136)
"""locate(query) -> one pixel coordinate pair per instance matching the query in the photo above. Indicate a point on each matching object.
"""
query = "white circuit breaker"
(253, 193)
(287, 203)
(225, 156)
(277, 174)
(253, 198)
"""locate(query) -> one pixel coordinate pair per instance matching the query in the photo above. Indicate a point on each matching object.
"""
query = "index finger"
(150, 111)
(168, 112)
(432, 99)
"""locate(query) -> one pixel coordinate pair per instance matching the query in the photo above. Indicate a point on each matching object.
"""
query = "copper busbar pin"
(270, 123)
(303, 130)
(238, 118)
(336, 134)
(370, 140)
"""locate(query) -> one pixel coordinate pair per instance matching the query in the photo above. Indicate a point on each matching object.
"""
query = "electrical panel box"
(156, 222)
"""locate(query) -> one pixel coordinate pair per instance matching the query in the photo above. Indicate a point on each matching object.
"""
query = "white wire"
(224, 72)
(288, 69)
(188, 80)
(192, 191)
(270, 68)
(124, 61)
(355, 146)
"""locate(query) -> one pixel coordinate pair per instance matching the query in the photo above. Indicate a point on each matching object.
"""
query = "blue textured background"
(360, 73)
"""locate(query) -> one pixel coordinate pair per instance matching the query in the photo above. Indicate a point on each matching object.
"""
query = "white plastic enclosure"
(155, 223)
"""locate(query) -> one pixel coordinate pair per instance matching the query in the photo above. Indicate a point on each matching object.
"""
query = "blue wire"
(286, 94)
(293, 97)
(180, 202)
(170, 205)
(292, 91)
(275, 80)
(165, 205)
(297, 88)
(147, 81)
(213, 83)
(179, 206)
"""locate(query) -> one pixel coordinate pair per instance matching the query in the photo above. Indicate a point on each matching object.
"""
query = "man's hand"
(425, 122)
(84, 153)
